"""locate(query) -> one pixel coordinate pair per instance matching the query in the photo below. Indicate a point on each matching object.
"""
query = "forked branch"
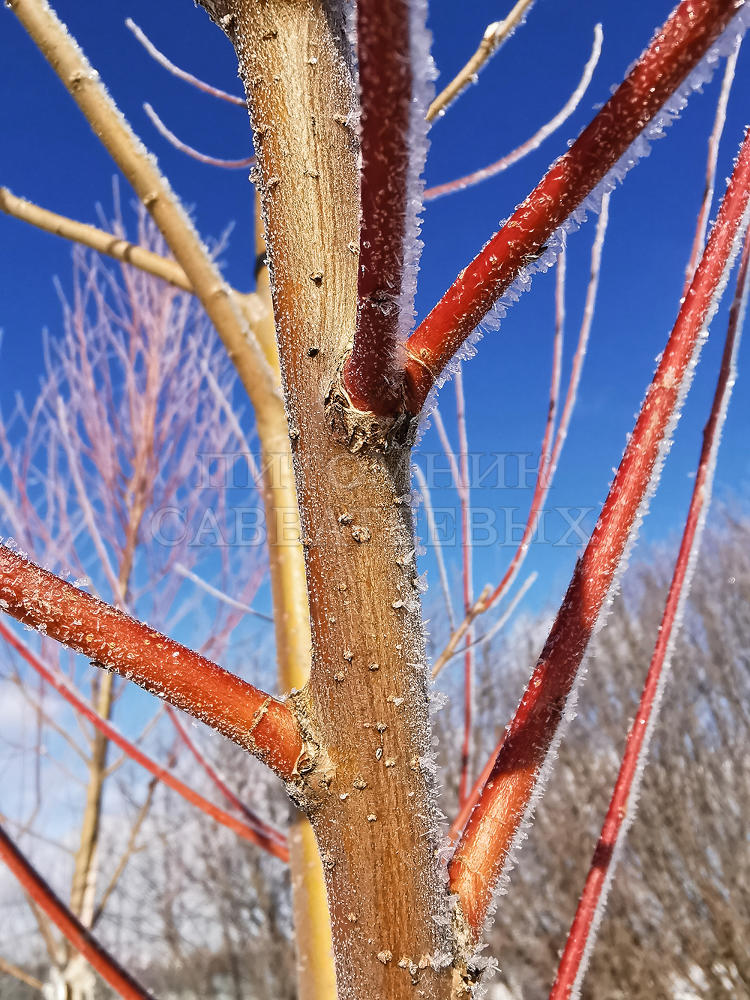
(508, 795)
(247, 716)
(675, 50)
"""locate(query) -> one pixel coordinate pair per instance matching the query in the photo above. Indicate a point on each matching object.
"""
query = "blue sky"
(49, 155)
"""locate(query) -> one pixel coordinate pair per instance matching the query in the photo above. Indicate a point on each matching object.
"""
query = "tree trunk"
(371, 794)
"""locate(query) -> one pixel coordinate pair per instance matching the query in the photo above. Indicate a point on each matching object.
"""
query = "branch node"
(362, 430)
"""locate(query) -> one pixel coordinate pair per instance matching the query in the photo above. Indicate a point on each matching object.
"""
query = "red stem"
(266, 831)
(372, 374)
(676, 49)
(252, 719)
(492, 828)
(622, 804)
(267, 838)
(467, 571)
(79, 936)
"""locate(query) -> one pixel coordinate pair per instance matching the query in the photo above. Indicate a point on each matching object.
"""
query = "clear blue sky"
(49, 155)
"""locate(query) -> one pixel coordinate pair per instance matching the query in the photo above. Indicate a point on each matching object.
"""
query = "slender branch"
(623, 804)
(477, 176)
(182, 74)
(432, 528)
(507, 798)
(494, 36)
(211, 161)
(13, 970)
(128, 852)
(713, 155)
(252, 719)
(78, 935)
(82, 81)
(97, 239)
(675, 50)
(219, 594)
(467, 579)
(65, 688)
(265, 829)
(385, 94)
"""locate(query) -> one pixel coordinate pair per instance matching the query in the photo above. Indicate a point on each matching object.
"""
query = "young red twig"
(211, 161)
(372, 374)
(477, 176)
(508, 794)
(79, 936)
(181, 74)
(676, 49)
(713, 154)
(468, 585)
(622, 806)
(263, 836)
(548, 462)
(249, 717)
(257, 824)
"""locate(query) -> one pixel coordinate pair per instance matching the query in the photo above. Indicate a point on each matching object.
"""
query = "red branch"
(262, 835)
(676, 49)
(492, 828)
(622, 804)
(79, 936)
(252, 719)
(385, 93)
(268, 832)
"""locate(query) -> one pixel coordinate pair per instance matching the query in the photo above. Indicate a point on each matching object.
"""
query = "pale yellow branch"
(96, 239)
(139, 167)
(12, 970)
(494, 36)
(477, 608)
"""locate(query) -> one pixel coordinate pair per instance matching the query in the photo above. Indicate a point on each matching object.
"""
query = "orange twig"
(252, 719)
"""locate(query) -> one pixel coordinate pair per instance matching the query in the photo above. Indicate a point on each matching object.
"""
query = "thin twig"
(182, 74)
(434, 538)
(494, 36)
(467, 579)
(219, 594)
(535, 141)
(211, 161)
(24, 977)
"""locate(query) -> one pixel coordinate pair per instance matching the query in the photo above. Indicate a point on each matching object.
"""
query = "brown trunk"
(371, 799)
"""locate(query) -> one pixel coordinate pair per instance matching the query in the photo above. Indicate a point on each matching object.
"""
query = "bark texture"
(370, 798)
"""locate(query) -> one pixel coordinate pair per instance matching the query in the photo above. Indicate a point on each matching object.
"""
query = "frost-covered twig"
(247, 716)
(372, 374)
(211, 161)
(78, 76)
(219, 594)
(494, 36)
(713, 154)
(676, 49)
(548, 462)
(181, 74)
(97, 239)
(79, 936)
(467, 580)
(623, 804)
(535, 141)
(264, 836)
(487, 844)
(435, 541)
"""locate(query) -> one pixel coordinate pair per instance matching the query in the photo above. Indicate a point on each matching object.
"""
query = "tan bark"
(371, 801)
